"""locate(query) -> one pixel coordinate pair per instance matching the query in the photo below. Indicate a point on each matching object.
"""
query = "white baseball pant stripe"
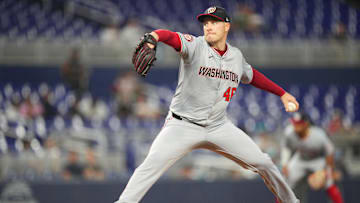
(178, 137)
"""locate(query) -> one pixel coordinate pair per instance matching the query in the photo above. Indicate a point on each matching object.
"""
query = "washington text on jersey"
(218, 73)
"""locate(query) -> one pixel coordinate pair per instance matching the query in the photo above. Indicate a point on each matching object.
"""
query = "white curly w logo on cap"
(211, 10)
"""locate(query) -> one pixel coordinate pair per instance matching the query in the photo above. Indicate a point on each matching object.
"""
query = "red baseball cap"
(216, 12)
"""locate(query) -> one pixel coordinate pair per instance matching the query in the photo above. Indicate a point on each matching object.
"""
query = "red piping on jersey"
(170, 38)
(262, 82)
(221, 53)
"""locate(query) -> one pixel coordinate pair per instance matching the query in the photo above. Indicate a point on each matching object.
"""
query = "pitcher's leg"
(233, 141)
(172, 143)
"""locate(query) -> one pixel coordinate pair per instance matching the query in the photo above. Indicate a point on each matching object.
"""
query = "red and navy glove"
(144, 56)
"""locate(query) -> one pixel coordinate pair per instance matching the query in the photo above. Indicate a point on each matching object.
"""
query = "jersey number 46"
(229, 93)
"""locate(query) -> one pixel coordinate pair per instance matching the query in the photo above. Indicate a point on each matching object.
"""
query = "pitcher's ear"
(227, 26)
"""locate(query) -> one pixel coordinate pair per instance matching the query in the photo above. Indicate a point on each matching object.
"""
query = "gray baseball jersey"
(316, 145)
(207, 81)
(200, 96)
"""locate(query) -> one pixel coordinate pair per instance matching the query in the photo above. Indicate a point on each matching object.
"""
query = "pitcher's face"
(214, 30)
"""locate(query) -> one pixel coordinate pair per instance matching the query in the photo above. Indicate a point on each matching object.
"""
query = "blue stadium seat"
(294, 19)
(257, 112)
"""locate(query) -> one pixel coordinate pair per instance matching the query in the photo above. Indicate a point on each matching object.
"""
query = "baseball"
(291, 106)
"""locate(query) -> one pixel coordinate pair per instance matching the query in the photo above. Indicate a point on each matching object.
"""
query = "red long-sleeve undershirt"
(262, 82)
(259, 80)
(170, 38)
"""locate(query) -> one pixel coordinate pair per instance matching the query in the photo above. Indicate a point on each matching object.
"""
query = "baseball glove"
(144, 56)
(317, 179)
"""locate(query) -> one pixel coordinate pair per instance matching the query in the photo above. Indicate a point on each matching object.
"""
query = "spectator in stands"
(187, 172)
(126, 88)
(92, 108)
(75, 74)
(130, 35)
(132, 32)
(340, 38)
(93, 170)
(29, 151)
(73, 169)
(52, 156)
(267, 143)
(335, 125)
(100, 109)
(73, 108)
(50, 110)
(145, 109)
(246, 19)
(12, 107)
(340, 32)
(110, 34)
(31, 107)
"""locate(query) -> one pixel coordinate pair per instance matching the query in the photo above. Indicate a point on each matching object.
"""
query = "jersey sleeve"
(286, 142)
(247, 75)
(188, 45)
(328, 145)
(286, 150)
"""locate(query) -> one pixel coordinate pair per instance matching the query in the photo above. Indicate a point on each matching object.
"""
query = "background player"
(210, 72)
(312, 151)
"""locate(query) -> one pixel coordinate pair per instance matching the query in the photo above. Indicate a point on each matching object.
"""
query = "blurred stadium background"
(75, 120)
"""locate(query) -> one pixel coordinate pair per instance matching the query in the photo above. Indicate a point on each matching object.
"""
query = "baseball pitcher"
(210, 72)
